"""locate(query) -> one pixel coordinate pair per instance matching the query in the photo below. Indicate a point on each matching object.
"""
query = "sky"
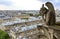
(26, 4)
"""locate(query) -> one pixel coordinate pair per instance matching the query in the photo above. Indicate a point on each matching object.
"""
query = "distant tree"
(4, 35)
(36, 15)
(30, 14)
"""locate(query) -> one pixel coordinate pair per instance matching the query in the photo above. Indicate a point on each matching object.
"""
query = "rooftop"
(25, 28)
(17, 20)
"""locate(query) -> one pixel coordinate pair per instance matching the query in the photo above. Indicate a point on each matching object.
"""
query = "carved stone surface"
(48, 15)
(43, 11)
(50, 19)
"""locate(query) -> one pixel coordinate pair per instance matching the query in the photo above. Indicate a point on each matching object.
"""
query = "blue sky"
(26, 4)
(5, 2)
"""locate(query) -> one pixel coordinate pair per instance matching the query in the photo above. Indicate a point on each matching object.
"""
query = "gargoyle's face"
(43, 11)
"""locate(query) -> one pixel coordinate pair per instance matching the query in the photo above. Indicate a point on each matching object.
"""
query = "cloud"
(21, 4)
(25, 4)
(56, 3)
(3, 7)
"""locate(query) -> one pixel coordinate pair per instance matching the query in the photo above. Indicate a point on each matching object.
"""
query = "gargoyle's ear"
(42, 5)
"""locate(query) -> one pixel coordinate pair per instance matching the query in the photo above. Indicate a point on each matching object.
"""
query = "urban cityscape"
(28, 19)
